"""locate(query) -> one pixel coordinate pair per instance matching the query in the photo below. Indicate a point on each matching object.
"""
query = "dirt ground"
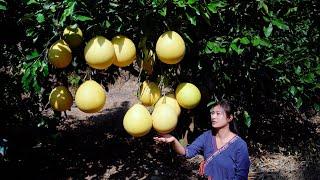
(95, 146)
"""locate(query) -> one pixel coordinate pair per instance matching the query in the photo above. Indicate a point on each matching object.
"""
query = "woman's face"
(219, 117)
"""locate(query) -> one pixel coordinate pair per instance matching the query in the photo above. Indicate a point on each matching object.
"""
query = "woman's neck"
(223, 133)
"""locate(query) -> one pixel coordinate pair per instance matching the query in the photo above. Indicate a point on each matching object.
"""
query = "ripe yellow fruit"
(125, 51)
(137, 121)
(149, 93)
(73, 36)
(164, 118)
(99, 53)
(170, 47)
(60, 98)
(90, 97)
(59, 54)
(170, 100)
(188, 95)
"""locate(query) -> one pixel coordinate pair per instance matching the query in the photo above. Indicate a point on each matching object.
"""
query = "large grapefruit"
(171, 101)
(90, 97)
(73, 35)
(188, 95)
(59, 54)
(125, 51)
(149, 93)
(60, 98)
(99, 53)
(170, 47)
(137, 121)
(164, 118)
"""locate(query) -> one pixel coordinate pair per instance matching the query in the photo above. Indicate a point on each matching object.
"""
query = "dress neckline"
(214, 143)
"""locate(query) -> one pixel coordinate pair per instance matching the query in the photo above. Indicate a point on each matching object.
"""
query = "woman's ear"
(230, 118)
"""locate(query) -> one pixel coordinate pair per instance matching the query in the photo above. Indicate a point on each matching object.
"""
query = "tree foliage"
(248, 51)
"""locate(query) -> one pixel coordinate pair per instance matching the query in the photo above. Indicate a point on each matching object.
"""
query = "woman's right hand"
(164, 138)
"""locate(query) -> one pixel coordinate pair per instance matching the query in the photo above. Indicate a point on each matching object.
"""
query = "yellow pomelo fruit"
(149, 93)
(170, 47)
(59, 54)
(188, 95)
(73, 36)
(170, 100)
(125, 51)
(60, 98)
(99, 53)
(90, 97)
(164, 119)
(137, 121)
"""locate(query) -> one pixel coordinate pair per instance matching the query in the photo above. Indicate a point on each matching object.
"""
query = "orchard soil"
(95, 146)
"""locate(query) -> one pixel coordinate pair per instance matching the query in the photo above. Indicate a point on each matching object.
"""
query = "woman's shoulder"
(241, 142)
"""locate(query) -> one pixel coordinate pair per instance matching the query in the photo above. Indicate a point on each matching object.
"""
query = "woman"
(225, 153)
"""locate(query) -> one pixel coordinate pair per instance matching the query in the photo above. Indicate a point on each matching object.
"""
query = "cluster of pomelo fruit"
(164, 117)
(100, 53)
(138, 121)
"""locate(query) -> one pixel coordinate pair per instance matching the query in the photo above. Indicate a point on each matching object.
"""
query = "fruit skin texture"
(99, 53)
(60, 98)
(164, 118)
(188, 95)
(170, 47)
(125, 51)
(149, 93)
(137, 121)
(90, 97)
(72, 36)
(170, 100)
(59, 54)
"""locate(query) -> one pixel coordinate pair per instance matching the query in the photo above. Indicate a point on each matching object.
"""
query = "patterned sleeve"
(195, 147)
(242, 162)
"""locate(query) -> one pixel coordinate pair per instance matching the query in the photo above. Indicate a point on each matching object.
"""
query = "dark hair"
(228, 109)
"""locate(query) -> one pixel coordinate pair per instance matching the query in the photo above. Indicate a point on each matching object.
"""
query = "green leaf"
(67, 12)
(40, 18)
(179, 3)
(3, 6)
(280, 24)
(190, 2)
(236, 48)
(32, 2)
(299, 102)
(215, 47)
(106, 24)
(316, 107)
(297, 70)
(192, 19)
(82, 18)
(309, 78)
(318, 69)
(163, 11)
(214, 6)
(32, 55)
(188, 37)
(263, 6)
(293, 90)
(25, 80)
(259, 41)
(247, 119)
(268, 30)
(255, 41)
(244, 40)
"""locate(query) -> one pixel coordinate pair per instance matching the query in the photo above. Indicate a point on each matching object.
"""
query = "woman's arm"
(242, 162)
(167, 138)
